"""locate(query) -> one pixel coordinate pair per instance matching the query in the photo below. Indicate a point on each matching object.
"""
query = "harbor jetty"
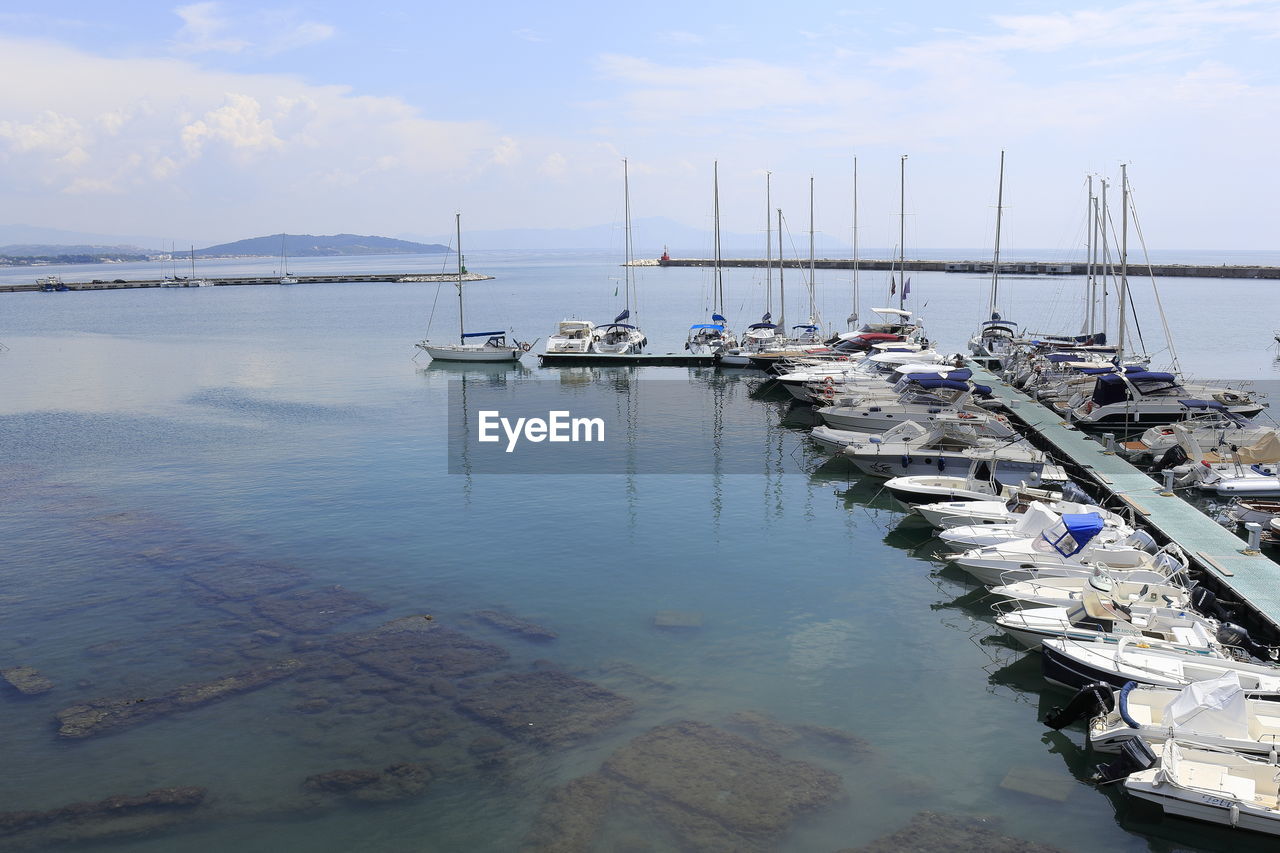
(122, 284)
(1006, 268)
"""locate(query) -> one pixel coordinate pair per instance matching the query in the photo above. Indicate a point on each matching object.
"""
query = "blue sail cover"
(719, 319)
(806, 326)
(484, 334)
(624, 315)
(951, 375)
(1151, 376)
(932, 383)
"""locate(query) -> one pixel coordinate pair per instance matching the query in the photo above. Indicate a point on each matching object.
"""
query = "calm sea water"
(149, 435)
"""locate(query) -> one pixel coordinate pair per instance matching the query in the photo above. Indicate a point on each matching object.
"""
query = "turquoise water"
(152, 435)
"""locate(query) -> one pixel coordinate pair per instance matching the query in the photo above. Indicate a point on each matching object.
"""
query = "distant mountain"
(53, 249)
(310, 246)
(29, 235)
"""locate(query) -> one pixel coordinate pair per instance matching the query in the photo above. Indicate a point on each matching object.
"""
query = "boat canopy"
(1114, 388)
(1223, 697)
(807, 327)
(616, 326)
(1008, 324)
(1074, 532)
(959, 375)
(715, 326)
(955, 385)
(484, 335)
(1111, 368)
(763, 326)
(897, 312)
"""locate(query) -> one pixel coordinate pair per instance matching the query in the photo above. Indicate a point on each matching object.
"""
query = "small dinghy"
(1214, 786)
(1215, 713)
(1074, 663)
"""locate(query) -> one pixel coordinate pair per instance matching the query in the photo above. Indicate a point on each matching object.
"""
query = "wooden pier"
(120, 284)
(1253, 578)
(1006, 268)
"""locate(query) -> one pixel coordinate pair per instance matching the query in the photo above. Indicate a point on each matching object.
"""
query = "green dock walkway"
(1254, 578)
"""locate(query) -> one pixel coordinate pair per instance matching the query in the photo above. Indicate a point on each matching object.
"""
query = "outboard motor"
(1171, 458)
(1135, 755)
(1091, 700)
(1230, 634)
(1204, 601)
(1073, 493)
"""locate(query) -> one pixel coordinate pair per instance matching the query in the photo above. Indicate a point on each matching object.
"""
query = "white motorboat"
(1252, 471)
(910, 449)
(1207, 423)
(1075, 663)
(1211, 785)
(487, 346)
(1215, 713)
(1145, 398)
(1098, 617)
(1069, 591)
(880, 368)
(1037, 519)
(574, 336)
(1015, 501)
(1074, 546)
(980, 483)
(920, 398)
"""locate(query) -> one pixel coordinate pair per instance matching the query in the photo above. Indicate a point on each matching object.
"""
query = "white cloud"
(203, 29)
(554, 166)
(506, 152)
(529, 35)
(207, 28)
(238, 123)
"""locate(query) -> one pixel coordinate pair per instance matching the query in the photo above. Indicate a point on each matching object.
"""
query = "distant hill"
(310, 246)
(54, 249)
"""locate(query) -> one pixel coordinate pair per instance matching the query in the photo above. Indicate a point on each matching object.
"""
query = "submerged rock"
(241, 581)
(397, 782)
(27, 680)
(315, 611)
(105, 817)
(418, 650)
(104, 715)
(930, 832)
(705, 788)
(515, 625)
(546, 707)
(677, 619)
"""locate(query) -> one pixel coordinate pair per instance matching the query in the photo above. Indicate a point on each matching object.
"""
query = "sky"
(213, 121)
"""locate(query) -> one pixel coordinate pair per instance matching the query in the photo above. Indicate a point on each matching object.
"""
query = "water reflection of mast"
(717, 435)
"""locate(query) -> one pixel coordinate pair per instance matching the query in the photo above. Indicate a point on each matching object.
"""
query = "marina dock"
(121, 284)
(644, 359)
(1253, 579)
(1006, 267)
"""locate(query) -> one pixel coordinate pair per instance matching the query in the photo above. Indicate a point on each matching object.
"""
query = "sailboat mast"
(853, 318)
(812, 311)
(193, 262)
(995, 266)
(902, 232)
(626, 203)
(1090, 246)
(782, 287)
(717, 298)
(1124, 258)
(768, 242)
(457, 220)
(1105, 216)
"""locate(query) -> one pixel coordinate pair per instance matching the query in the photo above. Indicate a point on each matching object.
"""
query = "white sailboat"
(193, 281)
(996, 336)
(713, 338)
(494, 346)
(618, 337)
(285, 277)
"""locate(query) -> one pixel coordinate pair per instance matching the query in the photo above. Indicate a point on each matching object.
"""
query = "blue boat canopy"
(763, 326)
(933, 382)
(1203, 404)
(1007, 323)
(1074, 532)
(718, 318)
(715, 326)
(484, 334)
(616, 326)
(950, 375)
(1151, 376)
(1059, 357)
(808, 326)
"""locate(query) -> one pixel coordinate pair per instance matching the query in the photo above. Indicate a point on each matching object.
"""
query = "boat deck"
(1253, 577)
(644, 359)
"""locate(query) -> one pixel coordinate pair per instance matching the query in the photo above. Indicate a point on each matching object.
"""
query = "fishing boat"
(1217, 713)
(1212, 785)
(285, 276)
(487, 346)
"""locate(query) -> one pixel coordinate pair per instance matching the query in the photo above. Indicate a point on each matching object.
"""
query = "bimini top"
(809, 326)
(1111, 368)
(897, 312)
(485, 335)
(1072, 534)
(1203, 404)
(932, 382)
(763, 326)
(1141, 376)
(715, 326)
(616, 326)
(958, 375)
